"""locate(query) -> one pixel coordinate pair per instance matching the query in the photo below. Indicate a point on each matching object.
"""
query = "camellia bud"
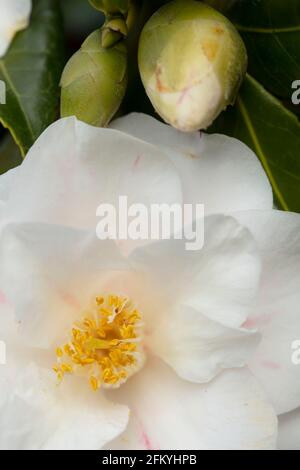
(111, 7)
(94, 81)
(192, 62)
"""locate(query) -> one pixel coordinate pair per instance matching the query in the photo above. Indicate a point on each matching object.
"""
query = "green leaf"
(10, 155)
(273, 132)
(221, 5)
(271, 31)
(31, 70)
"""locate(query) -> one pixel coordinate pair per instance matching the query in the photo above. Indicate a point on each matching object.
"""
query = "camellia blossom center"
(106, 345)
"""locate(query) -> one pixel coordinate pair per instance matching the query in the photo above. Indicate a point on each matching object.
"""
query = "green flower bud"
(112, 31)
(192, 62)
(111, 7)
(94, 81)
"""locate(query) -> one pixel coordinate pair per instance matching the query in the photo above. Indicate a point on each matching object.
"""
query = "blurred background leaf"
(31, 70)
(80, 20)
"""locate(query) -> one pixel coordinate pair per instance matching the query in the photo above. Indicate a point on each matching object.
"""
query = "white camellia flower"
(145, 346)
(14, 16)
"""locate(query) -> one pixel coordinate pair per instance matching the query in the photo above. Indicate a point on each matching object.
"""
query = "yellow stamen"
(105, 343)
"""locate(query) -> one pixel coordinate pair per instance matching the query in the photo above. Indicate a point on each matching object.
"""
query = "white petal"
(14, 347)
(51, 274)
(151, 130)
(199, 348)
(6, 182)
(16, 351)
(277, 315)
(169, 413)
(289, 431)
(36, 414)
(14, 17)
(220, 280)
(73, 168)
(218, 171)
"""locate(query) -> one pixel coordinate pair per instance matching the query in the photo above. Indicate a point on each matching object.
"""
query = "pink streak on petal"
(270, 365)
(137, 161)
(250, 323)
(146, 441)
(3, 299)
(120, 243)
(255, 322)
(69, 299)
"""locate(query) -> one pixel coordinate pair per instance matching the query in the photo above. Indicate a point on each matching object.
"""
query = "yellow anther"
(67, 349)
(101, 332)
(105, 311)
(123, 374)
(66, 368)
(59, 352)
(127, 332)
(105, 362)
(128, 347)
(88, 323)
(94, 383)
(99, 300)
(134, 317)
(87, 361)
